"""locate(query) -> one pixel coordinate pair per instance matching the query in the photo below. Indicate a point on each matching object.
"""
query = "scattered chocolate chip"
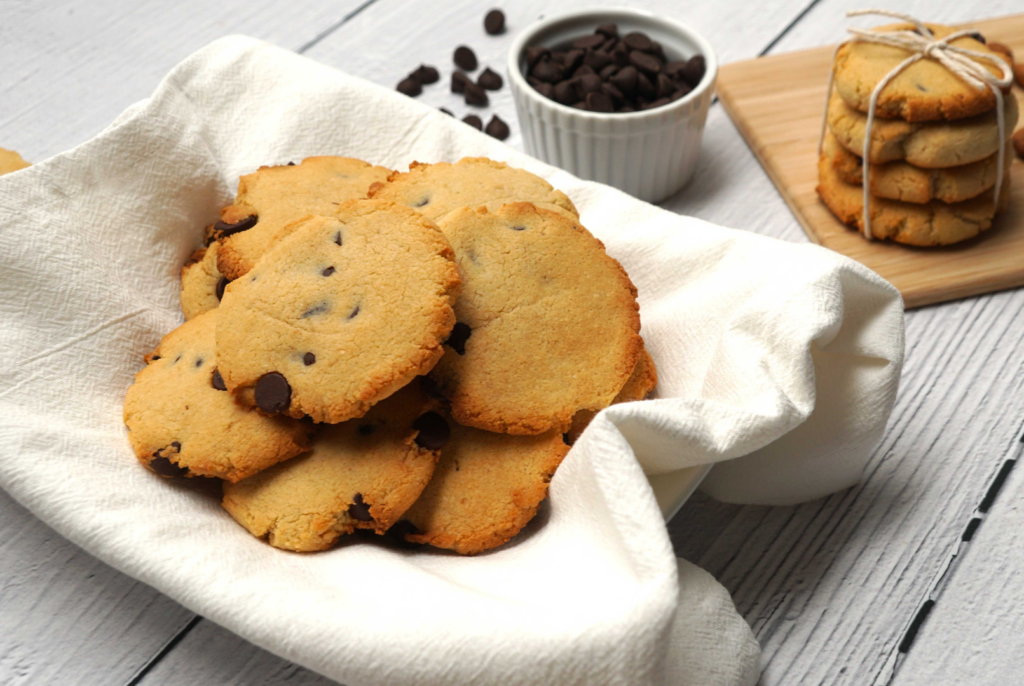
(458, 337)
(273, 393)
(490, 80)
(308, 359)
(448, 112)
(609, 30)
(222, 229)
(497, 128)
(410, 86)
(425, 74)
(475, 95)
(434, 431)
(600, 102)
(694, 70)
(588, 42)
(328, 271)
(494, 22)
(359, 510)
(459, 81)
(644, 62)
(465, 58)
(637, 41)
(164, 467)
(535, 54)
(474, 121)
(221, 285)
(217, 381)
(548, 70)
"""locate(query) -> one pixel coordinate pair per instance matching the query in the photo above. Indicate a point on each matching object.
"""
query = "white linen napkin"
(781, 359)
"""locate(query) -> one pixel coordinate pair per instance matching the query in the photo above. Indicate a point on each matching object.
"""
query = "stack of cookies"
(405, 353)
(933, 150)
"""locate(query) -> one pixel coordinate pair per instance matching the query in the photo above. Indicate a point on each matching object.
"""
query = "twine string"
(922, 44)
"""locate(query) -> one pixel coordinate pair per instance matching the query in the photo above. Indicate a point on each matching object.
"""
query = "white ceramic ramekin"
(649, 154)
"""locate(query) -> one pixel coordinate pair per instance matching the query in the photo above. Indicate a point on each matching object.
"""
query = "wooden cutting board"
(778, 102)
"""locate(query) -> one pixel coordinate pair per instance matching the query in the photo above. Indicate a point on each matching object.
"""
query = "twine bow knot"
(922, 44)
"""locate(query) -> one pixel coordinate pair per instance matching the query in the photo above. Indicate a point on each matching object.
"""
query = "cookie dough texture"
(902, 181)
(923, 144)
(924, 91)
(437, 189)
(11, 161)
(278, 196)
(485, 489)
(361, 474)
(639, 385)
(202, 284)
(934, 223)
(180, 424)
(552, 321)
(340, 314)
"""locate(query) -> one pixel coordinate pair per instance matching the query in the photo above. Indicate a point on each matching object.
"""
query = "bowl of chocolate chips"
(618, 96)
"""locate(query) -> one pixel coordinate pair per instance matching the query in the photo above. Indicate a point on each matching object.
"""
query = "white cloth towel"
(782, 359)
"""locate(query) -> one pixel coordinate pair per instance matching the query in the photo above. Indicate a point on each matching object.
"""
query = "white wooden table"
(910, 578)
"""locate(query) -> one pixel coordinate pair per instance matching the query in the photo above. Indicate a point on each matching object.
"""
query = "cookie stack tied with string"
(915, 142)
(327, 294)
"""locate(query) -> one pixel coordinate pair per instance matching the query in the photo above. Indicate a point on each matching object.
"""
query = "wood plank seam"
(334, 27)
(782, 34)
(164, 651)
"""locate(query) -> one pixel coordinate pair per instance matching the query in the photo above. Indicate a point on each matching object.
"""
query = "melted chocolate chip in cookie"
(217, 381)
(359, 509)
(308, 359)
(223, 229)
(221, 285)
(457, 340)
(273, 393)
(164, 467)
(328, 271)
(434, 431)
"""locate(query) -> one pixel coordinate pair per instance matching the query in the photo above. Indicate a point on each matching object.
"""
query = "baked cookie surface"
(923, 144)
(273, 197)
(639, 385)
(437, 189)
(924, 91)
(361, 474)
(183, 422)
(934, 223)
(485, 489)
(903, 181)
(548, 322)
(11, 161)
(202, 284)
(340, 314)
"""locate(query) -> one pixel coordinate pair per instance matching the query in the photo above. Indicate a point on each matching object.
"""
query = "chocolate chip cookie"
(183, 422)
(361, 474)
(548, 323)
(202, 284)
(273, 197)
(11, 161)
(340, 314)
(639, 385)
(436, 189)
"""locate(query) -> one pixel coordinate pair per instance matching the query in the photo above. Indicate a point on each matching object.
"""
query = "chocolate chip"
(583, 70)
(494, 22)
(675, 69)
(319, 308)
(290, 164)
(535, 54)
(217, 381)
(545, 89)
(465, 58)
(475, 95)
(497, 128)
(337, 237)
(682, 89)
(328, 271)
(616, 95)
(547, 70)
(459, 81)
(644, 87)
(597, 60)
(572, 59)
(600, 102)
(154, 358)
(434, 431)
(410, 86)
(359, 510)
(491, 80)
(221, 285)
(665, 86)
(518, 228)
(458, 337)
(658, 51)
(426, 74)
(625, 80)
(354, 313)
(474, 121)
(637, 41)
(976, 36)
(694, 70)
(223, 229)
(620, 55)
(588, 42)
(608, 72)
(399, 530)
(308, 359)
(273, 393)
(559, 56)
(199, 362)
(164, 467)
(609, 30)
(448, 112)
(644, 62)
(565, 92)
(588, 83)
(657, 103)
